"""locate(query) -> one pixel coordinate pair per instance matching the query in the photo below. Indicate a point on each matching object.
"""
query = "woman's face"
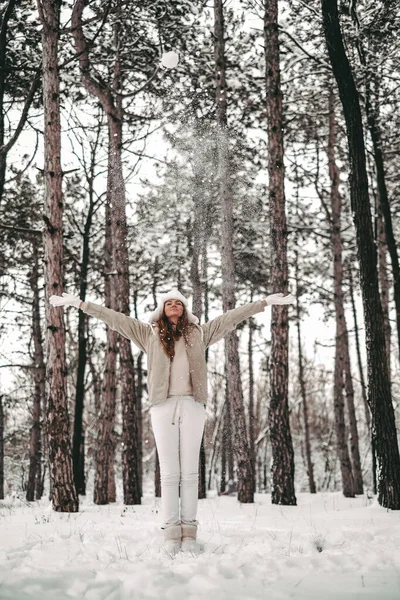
(173, 309)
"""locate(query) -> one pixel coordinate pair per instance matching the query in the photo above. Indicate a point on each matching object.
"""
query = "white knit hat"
(172, 295)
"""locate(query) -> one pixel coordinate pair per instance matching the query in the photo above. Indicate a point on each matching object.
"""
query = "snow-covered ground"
(327, 547)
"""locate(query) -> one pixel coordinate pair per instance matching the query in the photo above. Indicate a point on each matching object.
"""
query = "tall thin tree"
(64, 496)
(35, 463)
(379, 392)
(109, 95)
(351, 472)
(235, 392)
(281, 440)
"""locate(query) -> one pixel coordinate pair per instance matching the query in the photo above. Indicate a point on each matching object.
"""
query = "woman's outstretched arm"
(131, 328)
(215, 330)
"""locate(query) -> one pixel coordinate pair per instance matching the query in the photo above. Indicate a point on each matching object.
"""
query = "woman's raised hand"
(65, 300)
(280, 299)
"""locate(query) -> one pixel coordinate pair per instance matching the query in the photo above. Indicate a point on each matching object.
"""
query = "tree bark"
(379, 393)
(1, 449)
(304, 399)
(157, 477)
(64, 496)
(358, 348)
(3, 73)
(384, 204)
(362, 379)
(131, 412)
(235, 392)
(78, 450)
(342, 338)
(198, 311)
(252, 419)
(34, 477)
(383, 278)
(340, 425)
(279, 426)
(139, 394)
(110, 99)
(103, 486)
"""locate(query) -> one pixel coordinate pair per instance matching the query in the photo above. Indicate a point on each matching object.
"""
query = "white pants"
(178, 425)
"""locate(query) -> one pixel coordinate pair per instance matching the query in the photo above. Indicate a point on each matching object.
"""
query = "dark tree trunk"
(157, 477)
(204, 277)
(3, 74)
(77, 445)
(279, 426)
(139, 395)
(34, 477)
(383, 278)
(64, 496)
(342, 338)
(222, 484)
(96, 383)
(379, 393)
(235, 392)
(252, 420)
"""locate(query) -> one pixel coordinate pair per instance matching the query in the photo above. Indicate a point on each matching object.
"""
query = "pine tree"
(64, 496)
(380, 400)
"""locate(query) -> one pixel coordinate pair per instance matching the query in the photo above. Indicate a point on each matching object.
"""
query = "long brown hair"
(168, 333)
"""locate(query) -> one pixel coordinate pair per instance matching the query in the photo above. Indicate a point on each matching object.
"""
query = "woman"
(175, 345)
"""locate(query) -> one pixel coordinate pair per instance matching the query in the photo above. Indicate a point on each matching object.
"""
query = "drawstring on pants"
(178, 398)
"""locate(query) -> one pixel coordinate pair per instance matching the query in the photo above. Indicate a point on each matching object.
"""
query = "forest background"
(170, 153)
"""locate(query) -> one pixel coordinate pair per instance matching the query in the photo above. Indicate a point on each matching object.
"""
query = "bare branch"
(21, 229)
(34, 86)
(97, 86)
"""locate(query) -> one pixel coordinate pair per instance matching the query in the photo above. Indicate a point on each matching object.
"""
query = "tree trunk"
(157, 477)
(252, 420)
(198, 310)
(139, 395)
(77, 447)
(384, 204)
(3, 74)
(64, 496)
(110, 99)
(379, 393)
(105, 444)
(304, 399)
(383, 278)
(358, 348)
(235, 393)
(342, 338)
(131, 412)
(362, 380)
(340, 425)
(279, 426)
(227, 462)
(1, 449)
(204, 277)
(34, 478)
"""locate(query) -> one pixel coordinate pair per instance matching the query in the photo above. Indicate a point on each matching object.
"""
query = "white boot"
(172, 539)
(189, 543)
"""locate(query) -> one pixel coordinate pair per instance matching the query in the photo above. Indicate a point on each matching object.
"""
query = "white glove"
(280, 299)
(65, 300)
